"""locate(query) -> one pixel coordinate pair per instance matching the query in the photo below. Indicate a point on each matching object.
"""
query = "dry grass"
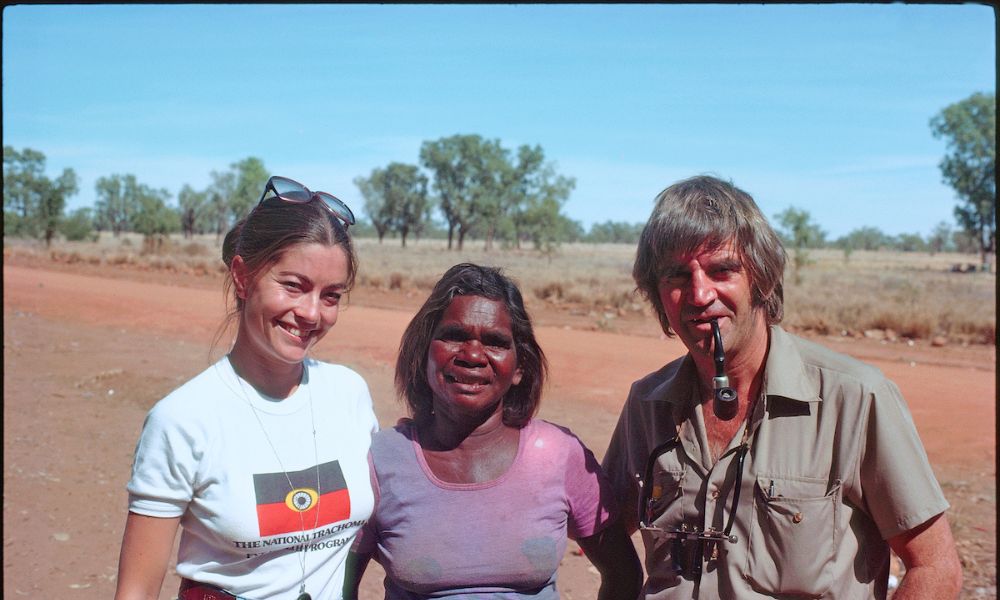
(904, 295)
(198, 257)
(892, 294)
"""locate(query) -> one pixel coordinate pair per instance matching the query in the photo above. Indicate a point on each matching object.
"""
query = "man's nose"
(702, 291)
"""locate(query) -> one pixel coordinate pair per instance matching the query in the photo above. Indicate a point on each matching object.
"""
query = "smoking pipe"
(724, 404)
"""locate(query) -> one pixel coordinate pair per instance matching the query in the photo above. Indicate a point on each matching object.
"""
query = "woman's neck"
(469, 453)
(442, 434)
(276, 381)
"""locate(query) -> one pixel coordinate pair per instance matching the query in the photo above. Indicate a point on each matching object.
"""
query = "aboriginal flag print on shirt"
(280, 510)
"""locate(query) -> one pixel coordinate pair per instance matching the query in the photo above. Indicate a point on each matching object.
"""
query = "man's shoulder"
(822, 358)
(672, 371)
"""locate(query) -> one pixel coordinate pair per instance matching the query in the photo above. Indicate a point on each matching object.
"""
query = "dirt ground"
(88, 350)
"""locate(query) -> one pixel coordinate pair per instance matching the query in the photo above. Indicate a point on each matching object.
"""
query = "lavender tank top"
(498, 540)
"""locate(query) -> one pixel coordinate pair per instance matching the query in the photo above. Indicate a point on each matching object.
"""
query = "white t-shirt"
(204, 456)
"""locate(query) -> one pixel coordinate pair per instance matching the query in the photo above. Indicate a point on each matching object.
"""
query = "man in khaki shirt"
(798, 486)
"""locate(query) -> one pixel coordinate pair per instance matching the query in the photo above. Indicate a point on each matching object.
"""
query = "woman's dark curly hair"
(466, 279)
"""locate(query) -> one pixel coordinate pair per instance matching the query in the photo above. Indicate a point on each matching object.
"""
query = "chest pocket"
(794, 535)
(666, 503)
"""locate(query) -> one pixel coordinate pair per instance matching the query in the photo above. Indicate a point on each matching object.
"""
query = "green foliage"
(910, 242)
(799, 232)
(152, 216)
(797, 229)
(536, 195)
(249, 178)
(396, 199)
(467, 171)
(33, 204)
(78, 226)
(615, 232)
(125, 204)
(194, 211)
(940, 238)
(220, 192)
(50, 210)
(969, 128)
(572, 230)
(23, 187)
(230, 196)
(482, 189)
(376, 206)
(965, 242)
(116, 202)
(865, 238)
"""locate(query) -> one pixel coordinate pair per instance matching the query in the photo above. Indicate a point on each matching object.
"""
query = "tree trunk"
(490, 232)
(451, 233)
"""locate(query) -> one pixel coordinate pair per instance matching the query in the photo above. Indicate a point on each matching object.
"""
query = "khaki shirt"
(834, 468)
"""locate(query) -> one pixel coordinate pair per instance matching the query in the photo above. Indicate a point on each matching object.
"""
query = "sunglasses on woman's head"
(292, 191)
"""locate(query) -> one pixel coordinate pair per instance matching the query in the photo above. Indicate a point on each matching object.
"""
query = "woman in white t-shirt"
(261, 458)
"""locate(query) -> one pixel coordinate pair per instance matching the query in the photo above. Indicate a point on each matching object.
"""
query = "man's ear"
(241, 279)
(518, 375)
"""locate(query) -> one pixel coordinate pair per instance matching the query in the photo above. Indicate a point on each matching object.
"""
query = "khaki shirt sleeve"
(619, 470)
(899, 487)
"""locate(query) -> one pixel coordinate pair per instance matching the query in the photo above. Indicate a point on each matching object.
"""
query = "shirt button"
(797, 517)
(715, 494)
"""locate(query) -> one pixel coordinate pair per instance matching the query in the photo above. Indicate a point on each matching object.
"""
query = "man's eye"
(291, 285)
(332, 299)
(725, 271)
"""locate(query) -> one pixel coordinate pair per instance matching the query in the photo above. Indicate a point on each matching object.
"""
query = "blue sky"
(822, 107)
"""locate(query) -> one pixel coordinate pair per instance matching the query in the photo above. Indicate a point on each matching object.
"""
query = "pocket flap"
(795, 488)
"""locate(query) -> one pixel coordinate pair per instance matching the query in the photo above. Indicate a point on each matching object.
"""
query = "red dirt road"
(86, 356)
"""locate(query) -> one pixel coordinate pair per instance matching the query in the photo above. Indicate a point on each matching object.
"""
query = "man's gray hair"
(707, 212)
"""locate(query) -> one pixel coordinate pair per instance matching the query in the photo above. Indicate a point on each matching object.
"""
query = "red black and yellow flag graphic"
(284, 510)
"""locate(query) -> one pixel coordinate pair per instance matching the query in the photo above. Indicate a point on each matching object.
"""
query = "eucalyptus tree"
(395, 199)
(249, 177)
(798, 230)
(116, 202)
(220, 192)
(969, 127)
(33, 204)
(467, 173)
(152, 217)
(193, 211)
(536, 195)
(376, 204)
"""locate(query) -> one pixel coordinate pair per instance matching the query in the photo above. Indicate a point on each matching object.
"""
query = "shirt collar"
(785, 372)
(675, 387)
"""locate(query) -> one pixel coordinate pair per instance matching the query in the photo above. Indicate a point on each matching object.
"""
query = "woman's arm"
(142, 564)
(614, 556)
